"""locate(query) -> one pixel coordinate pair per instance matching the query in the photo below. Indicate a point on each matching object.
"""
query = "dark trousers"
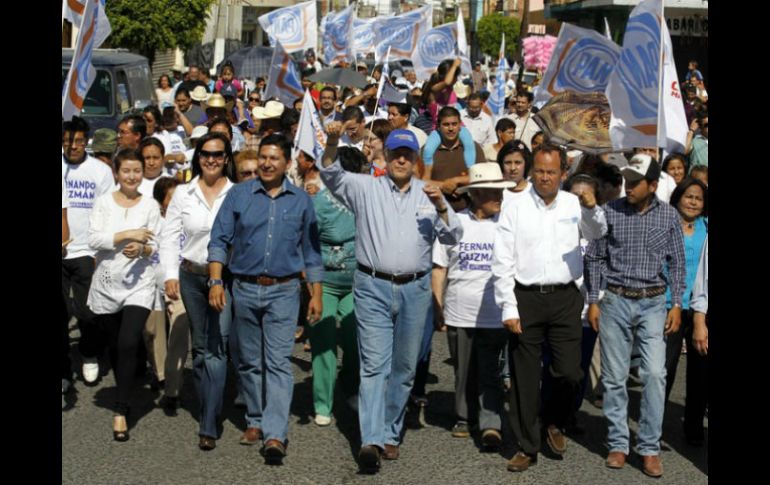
(66, 365)
(697, 396)
(478, 395)
(76, 275)
(555, 318)
(586, 352)
(674, 349)
(124, 336)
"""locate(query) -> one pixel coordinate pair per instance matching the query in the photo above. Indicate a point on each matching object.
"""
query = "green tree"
(146, 26)
(490, 32)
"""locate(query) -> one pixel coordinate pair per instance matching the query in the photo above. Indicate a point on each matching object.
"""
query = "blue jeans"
(265, 320)
(391, 321)
(620, 318)
(210, 333)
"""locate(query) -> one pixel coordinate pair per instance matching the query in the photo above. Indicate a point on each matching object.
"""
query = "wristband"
(442, 211)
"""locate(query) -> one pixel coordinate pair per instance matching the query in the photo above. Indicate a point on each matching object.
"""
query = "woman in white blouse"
(192, 211)
(165, 91)
(122, 229)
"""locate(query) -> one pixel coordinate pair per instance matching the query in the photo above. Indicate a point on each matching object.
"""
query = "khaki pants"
(155, 342)
(178, 346)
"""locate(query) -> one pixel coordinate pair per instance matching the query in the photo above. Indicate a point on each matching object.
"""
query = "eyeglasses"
(218, 155)
(248, 173)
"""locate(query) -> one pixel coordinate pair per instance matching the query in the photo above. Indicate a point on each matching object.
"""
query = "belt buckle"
(544, 289)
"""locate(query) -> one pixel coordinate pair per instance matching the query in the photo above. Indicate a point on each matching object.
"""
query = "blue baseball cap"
(402, 139)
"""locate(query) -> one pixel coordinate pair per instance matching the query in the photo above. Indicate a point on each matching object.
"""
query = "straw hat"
(486, 176)
(462, 90)
(200, 94)
(272, 109)
(216, 100)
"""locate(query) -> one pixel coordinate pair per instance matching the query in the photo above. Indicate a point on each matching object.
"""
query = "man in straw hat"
(398, 217)
(538, 244)
(467, 306)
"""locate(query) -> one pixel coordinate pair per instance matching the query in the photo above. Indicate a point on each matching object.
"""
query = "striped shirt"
(635, 249)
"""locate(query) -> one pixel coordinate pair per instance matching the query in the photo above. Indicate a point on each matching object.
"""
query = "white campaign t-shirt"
(85, 182)
(147, 185)
(469, 300)
(509, 196)
(173, 143)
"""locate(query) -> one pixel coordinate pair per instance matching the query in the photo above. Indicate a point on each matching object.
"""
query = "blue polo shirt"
(269, 236)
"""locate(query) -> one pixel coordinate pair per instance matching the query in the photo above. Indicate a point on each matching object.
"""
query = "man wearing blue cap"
(398, 217)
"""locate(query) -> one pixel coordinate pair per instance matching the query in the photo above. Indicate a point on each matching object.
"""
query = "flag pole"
(660, 78)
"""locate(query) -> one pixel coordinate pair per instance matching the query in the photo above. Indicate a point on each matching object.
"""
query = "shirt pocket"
(291, 226)
(657, 239)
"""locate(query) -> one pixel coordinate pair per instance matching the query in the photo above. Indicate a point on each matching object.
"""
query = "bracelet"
(442, 211)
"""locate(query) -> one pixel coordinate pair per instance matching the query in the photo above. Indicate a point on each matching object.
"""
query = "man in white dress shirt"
(537, 259)
(478, 123)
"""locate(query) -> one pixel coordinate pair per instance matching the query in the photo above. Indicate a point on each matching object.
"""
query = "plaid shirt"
(635, 249)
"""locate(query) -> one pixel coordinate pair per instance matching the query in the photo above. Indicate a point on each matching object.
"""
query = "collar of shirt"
(473, 217)
(195, 189)
(394, 187)
(540, 203)
(454, 147)
(286, 187)
(654, 203)
(467, 115)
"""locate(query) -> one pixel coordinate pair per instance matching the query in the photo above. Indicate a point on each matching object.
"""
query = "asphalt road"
(163, 450)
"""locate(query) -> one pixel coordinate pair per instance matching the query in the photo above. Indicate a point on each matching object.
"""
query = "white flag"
(72, 10)
(311, 137)
(439, 44)
(82, 73)
(385, 90)
(496, 101)
(643, 100)
(607, 29)
(337, 35)
(283, 80)
(401, 32)
(363, 36)
(582, 61)
(296, 27)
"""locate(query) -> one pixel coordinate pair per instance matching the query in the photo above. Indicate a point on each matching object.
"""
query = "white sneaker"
(90, 370)
(321, 420)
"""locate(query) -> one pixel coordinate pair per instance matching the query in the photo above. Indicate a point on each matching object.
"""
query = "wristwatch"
(215, 282)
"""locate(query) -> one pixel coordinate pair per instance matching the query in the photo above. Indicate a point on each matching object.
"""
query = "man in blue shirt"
(269, 226)
(398, 217)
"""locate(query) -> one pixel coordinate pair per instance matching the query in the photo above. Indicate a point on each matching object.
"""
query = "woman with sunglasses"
(122, 229)
(191, 213)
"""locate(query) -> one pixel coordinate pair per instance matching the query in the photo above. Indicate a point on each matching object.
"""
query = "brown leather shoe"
(207, 443)
(520, 462)
(651, 466)
(391, 452)
(369, 459)
(556, 440)
(274, 452)
(616, 459)
(251, 436)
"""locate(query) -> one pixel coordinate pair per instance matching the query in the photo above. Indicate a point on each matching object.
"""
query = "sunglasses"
(248, 173)
(218, 155)
(256, 100)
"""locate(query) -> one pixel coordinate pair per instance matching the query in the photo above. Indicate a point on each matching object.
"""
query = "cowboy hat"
(486, 175)
(272, 109)
(216, 100)
(200, 94)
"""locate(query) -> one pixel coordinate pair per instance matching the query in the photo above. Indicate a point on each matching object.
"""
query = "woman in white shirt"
(515, 161)
(164, 91)
(122, 228)
(192, 211)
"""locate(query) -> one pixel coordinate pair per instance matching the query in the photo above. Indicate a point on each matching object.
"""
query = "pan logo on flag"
(339, 32)
(286, 26)
(436, 46)
(638, 68)
(398, 34)
(587, 67)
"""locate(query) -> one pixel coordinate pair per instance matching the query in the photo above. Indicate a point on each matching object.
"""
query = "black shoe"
(156, 385)
(170, 405)
(461, 430)
(369, 459)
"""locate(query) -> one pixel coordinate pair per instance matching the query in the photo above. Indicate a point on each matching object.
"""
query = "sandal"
(119, 435)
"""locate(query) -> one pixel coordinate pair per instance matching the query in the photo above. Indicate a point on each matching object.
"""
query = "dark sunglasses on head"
(206, 154)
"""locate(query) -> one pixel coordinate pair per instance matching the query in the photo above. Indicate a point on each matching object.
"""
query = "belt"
(544, 289)
(393, 278)
(637, 293)
(190, 267)
(263, 280)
